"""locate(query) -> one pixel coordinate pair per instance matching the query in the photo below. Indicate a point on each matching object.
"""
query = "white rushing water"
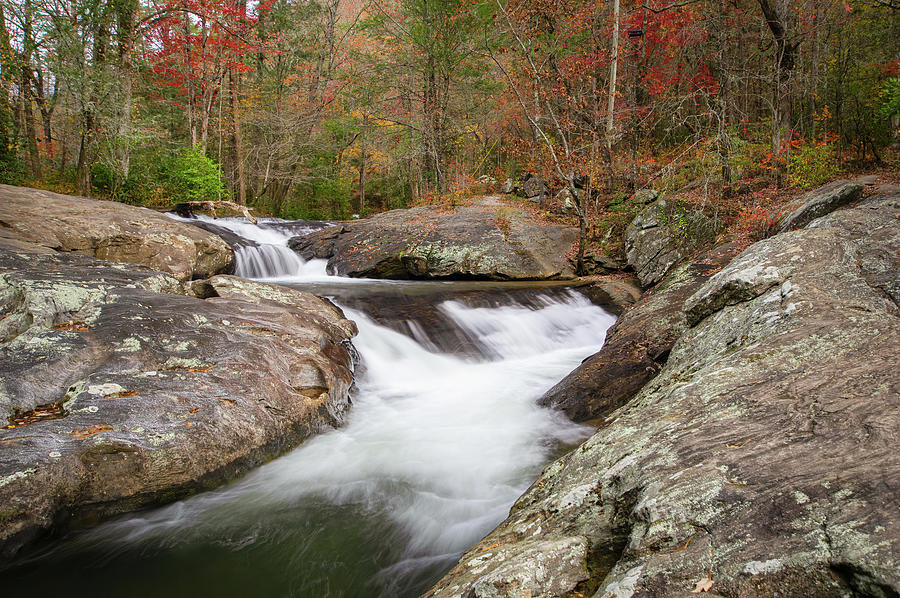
(437, 445)
(440, 445)
(267, 257)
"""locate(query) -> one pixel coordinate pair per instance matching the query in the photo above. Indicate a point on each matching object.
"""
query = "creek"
(443, 436)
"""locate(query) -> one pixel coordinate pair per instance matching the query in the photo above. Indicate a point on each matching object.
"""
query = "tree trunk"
(611, 105)
(235, 146)
(125, 13)
(27, 92)
(782, 102)
(362, 165)
(82, 168)
(34, 158)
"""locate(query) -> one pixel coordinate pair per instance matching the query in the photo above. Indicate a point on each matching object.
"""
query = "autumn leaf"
(125, 394)
(704, 585)
(90, 431)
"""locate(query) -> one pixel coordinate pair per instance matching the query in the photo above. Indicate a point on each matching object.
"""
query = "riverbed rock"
(614, 293)
(636, 346)
(661, 236)
(599, 262)
(149, 395)
(112, 231)
(819, 202)
(762, 459)
(490, 240)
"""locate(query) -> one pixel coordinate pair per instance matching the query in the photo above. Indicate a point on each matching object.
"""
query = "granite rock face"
(760, 461)
(112, 231)
(118, 392)
(636, 346)
(661, 236)
(819, 202)
(491, 241)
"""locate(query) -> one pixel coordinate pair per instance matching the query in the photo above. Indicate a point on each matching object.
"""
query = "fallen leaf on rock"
(739, 444)
(704, 585)
(76, 326)
(39, 413)
(90, 431)
(125, 394)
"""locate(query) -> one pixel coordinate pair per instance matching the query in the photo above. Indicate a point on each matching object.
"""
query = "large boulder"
(762, 459)
(818, 202)
(530, 186)
(112, 231)
(490, 240)
(117, 392)
(636, 346)
(661, 236)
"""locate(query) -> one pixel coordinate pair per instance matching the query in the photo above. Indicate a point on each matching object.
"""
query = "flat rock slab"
(112, 231)
(818, 202)
(153, 394)
(490, 241)
(762, 459)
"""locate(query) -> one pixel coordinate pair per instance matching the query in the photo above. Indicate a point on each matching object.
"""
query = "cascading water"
(434, 451)
(261, 250)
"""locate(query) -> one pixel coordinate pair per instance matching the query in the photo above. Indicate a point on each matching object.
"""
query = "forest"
(328, 108)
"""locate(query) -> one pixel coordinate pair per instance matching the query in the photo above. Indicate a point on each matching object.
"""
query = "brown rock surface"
(150, 395)
(819, 202)
(490, 240)
(112, 231)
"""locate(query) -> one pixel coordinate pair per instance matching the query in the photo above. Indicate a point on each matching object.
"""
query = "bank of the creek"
(443, 436)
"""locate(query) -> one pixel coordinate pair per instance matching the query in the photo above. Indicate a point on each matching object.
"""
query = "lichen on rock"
(761, 458)
(160, 394)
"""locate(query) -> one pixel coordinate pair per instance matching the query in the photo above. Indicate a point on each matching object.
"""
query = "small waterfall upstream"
(261, 250)
(443, 436)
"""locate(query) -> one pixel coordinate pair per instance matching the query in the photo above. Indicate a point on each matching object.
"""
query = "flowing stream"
(443, 436)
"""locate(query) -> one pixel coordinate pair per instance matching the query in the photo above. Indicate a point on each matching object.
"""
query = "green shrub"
(890, 97)
(192, 176)
(12, 172)
(812, 163)
(102, 178)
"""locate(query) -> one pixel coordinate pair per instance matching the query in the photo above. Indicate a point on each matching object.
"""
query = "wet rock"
(112, 231)
(162, 394)
(490, 240)
(234, 240)
(819, 202)
(661, 236)
(601, 263)
(762, 456)
(615, 294)
(636, 346)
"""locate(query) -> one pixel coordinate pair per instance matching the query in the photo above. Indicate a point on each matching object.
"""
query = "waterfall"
(437, 447)
(261, 250)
